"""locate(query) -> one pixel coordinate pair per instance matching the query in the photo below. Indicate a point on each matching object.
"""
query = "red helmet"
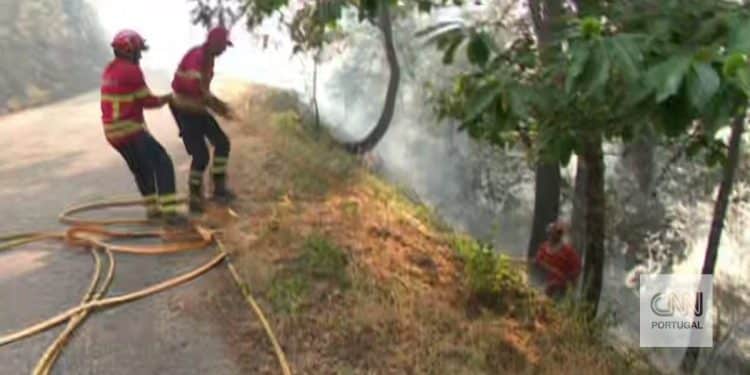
(219, 36)
(129, 41)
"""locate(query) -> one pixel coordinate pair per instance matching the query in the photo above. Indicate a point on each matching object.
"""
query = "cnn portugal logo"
(672, 304)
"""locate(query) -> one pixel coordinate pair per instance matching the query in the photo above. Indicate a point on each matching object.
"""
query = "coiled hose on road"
(94, 235)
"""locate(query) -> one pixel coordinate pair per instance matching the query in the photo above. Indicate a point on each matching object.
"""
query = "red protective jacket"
(565, 263)
(124, 95)
(189, 79)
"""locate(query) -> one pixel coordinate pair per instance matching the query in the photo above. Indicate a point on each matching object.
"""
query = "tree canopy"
(661, 65)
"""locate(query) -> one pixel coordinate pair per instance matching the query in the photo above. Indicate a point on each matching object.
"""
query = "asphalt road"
(56, 156)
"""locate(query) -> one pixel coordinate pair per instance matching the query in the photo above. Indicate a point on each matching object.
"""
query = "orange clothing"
(565, 263)
(124, 95)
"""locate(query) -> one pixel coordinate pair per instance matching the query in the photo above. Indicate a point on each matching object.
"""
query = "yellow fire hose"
(44, 366)
(94, 235)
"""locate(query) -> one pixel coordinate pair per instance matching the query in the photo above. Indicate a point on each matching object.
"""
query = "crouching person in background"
(559, 261)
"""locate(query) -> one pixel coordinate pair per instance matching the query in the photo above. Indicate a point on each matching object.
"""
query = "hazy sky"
(166, 26)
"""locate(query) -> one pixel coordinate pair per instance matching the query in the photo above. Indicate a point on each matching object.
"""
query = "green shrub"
(491, 277)
(287, 293)
(321, 260)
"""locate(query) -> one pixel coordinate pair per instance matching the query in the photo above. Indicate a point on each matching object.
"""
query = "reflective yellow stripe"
(117, 99)
(220, 165)
(140, 94)
(143, 93)
(190, 104)
(169, 198)
(152, 205)
(116, 110)
(168, 203)
(190, 74)
(123, 128)
(172, 209)
(196, 178)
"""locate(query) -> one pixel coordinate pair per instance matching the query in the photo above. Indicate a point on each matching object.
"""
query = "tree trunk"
(384, 122)
(639, 159)
(316, 58)
(690, 360)
(545, 15)
(578, 219)
(593, 270)
(546, 207)
(643, 212)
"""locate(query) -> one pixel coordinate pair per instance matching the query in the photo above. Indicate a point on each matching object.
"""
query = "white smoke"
(167, 28)
(446, 169)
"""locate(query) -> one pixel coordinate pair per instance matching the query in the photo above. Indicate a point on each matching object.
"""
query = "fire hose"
(94, 235)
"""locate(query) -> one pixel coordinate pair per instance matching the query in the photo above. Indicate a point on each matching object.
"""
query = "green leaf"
(739, 41)
(526, 59)
(720, 109)
(328, 12)
(693, 149)
(368, 8)
(478, 51)
(702, 84)
(626, 55)
(490, 42)
(675, 116)
(743, 80)
(709, 30)
(520, 102)
(444, 38)
(565, 147)
(637, 93)
(734, 63)
(599, 65)
(579, 57)
(424, 5)
(666, 77)
(481, 100)
(715, 157)
(450, 50)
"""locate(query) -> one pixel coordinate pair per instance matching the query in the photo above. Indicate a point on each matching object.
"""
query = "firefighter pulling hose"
(190, 107)
(95, 236)
(124, 96)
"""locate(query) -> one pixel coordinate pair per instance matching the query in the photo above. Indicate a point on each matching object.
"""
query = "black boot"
(152, 208)
(176, 221)
(153, 214)
(195, 201)
(222, 194)
(173, 219)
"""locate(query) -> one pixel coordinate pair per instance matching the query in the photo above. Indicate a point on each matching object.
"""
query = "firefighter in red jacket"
(559, 260)
(190, 108)
(124, 96)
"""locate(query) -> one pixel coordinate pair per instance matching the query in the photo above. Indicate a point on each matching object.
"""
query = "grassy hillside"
(357, 279)
(50, 49)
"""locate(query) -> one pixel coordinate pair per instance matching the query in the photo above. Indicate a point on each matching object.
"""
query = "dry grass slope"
(359, 280)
